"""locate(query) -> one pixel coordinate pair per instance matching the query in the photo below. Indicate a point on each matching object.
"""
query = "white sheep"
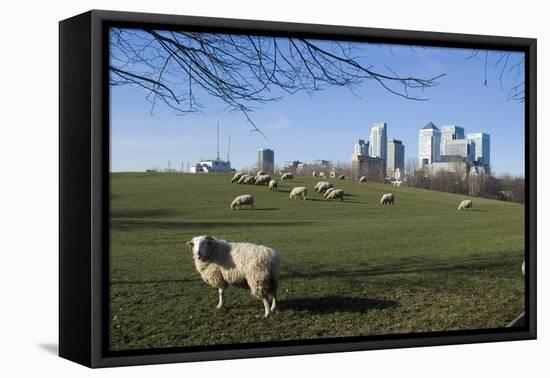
(273, 185)
(260, 173)
(341, 177)
(287, 176)
(327, 192)
(334, 194)
(466, 204)
(248, 180)
(322, 174)
(387, 199)
(222, 264)
(332, 174)
(242, 178)
(363, 179)
(237, 176)
(263, 179)
(314, 174)
(323, 187)
(299, 192)
(245, 199)
(316, 187)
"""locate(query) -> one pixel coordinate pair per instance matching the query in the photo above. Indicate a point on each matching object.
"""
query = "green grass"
(348, 268)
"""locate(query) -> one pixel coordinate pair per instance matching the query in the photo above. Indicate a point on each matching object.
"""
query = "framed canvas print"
(233, 188)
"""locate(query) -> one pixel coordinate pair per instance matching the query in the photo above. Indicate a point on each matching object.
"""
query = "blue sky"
(327, 124)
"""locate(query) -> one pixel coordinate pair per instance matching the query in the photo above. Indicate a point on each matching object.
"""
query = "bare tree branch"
(179, 68)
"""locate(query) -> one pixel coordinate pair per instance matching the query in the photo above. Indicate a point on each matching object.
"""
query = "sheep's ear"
(189, 244)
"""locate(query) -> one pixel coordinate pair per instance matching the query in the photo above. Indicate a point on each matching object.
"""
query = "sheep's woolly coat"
(245, 199)
(237, 176)
(388, 198)
(222, 264)
(272, 185)
(466, 204)
(242, 178)
(337, 193)
(287, 176)
(329, 190)
(363, 179)
(299, 191)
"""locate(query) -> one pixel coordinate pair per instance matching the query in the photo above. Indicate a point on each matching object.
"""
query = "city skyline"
(324, 126)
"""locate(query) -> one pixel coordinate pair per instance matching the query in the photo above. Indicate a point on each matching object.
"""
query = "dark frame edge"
(531, 168)
(75, 273)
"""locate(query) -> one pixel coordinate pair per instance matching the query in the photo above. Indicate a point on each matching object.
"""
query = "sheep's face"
(199, 246)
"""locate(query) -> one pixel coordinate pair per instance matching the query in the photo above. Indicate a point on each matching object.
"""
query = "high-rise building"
(456, 148)
(378, 141)
(429, 141)
(450, 133)
(266, 160)
(361, 148)
(480, 148)
(395, 158)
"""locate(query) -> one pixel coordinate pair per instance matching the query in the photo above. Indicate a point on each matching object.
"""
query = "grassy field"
(348, 268)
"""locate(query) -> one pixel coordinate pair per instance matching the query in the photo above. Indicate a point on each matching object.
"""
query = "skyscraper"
(480, 148)
(429, 141)
(396, 158)
(266, 160)
(450, 133)
(378, 141)
(362, 148)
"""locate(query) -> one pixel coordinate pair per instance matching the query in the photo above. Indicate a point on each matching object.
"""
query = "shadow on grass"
(148, 282)
(414, 265)
(139, 224)
(144, 213)
(331, 304)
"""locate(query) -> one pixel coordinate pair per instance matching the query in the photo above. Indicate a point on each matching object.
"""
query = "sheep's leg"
(273, 303)
(266, 306)
(220, 301)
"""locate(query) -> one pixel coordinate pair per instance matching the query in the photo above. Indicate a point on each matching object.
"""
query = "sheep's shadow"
(331, 304)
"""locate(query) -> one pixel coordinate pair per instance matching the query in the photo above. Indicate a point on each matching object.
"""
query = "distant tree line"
(460, 181)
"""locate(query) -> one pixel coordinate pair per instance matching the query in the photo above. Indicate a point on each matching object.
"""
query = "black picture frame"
(84, 188)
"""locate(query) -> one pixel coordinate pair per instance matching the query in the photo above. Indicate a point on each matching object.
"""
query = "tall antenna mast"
(218, 142)
(228, 147)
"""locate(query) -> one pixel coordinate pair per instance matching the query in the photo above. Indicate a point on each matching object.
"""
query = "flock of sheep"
(256, 267)
(299, 192)
(322, 187)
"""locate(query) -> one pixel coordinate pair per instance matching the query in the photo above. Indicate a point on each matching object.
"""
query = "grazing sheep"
(273, 185)
(316, 187)
(329, 190)
(248, 180)
(242, 178)
(341, 177)
(245, 199)
(237, 176)
(363, 179)
(387, 199)
(323, 187)
(263, 179)
(314, 174)
(337, 193)
(299, 192)
(466, 204)
(322, 174)
(332, 174)
(260, 173)
(222, 264)
(287, 176)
